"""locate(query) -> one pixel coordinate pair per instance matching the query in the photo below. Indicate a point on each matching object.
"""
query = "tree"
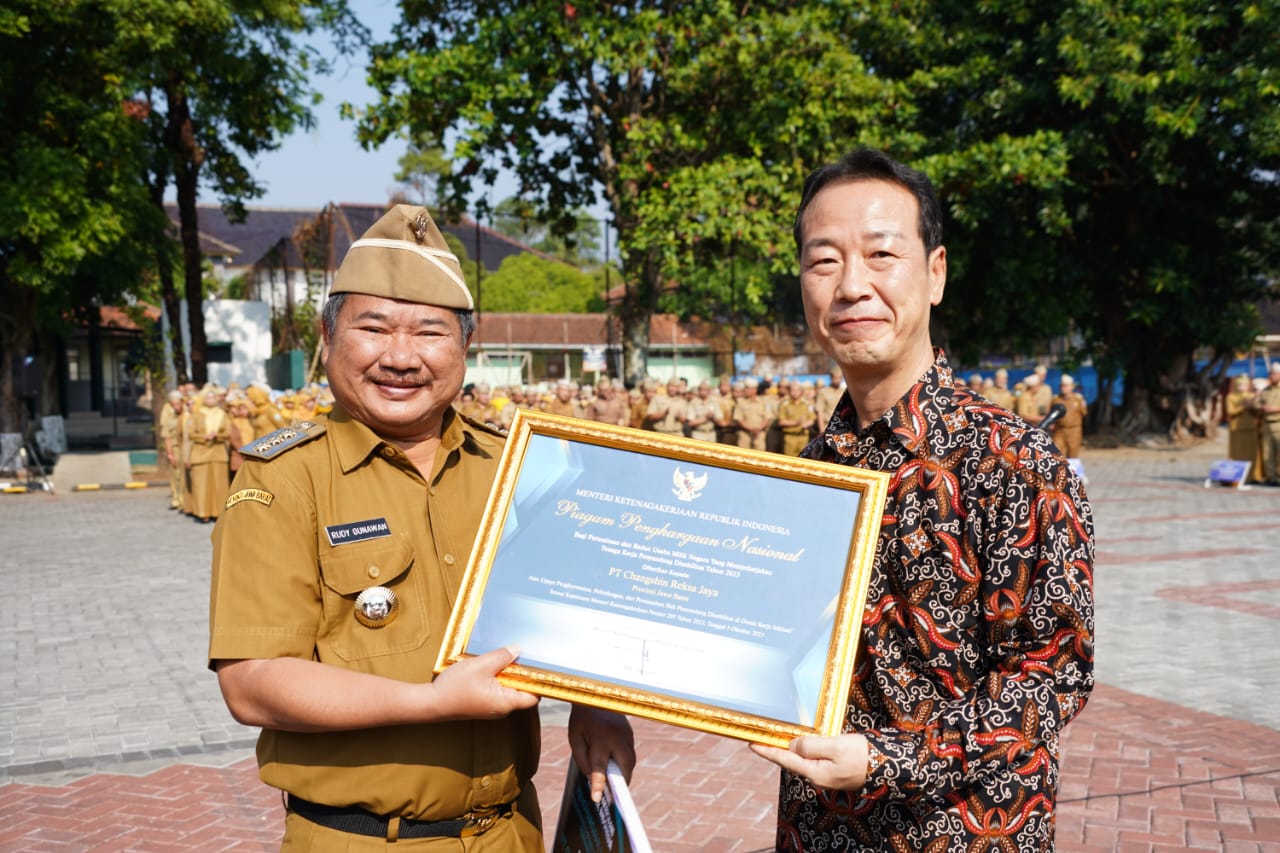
(424, 170)
(1142, 216)
(529, 283)
(520, 220)
(222, 81)
(1108, 169)
(73, 213)
(696, 120)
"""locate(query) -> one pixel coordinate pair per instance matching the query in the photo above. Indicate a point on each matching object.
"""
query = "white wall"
(246, 325)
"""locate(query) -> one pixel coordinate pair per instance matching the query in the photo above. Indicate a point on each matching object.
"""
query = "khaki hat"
(404, 256)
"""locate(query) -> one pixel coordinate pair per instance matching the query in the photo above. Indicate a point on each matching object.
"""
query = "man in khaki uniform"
(828, 396)
(1269, 426)
(561, 403)
(796, 418)
(1000, 393)
(665, 413)
(702, 413)
(1027, 405)
(751, 417)
(171, 436)
(1068, 430)
(335, 567)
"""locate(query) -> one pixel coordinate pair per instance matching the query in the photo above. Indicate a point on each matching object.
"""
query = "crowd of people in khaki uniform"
(775, 415)
(200, 431)
(778, 415)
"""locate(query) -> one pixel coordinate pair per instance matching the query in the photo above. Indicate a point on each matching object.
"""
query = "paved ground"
(113, 737)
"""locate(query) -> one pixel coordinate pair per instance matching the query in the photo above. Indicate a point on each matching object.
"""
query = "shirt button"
(388, 452)
(448, 559)
(374, 572)
(484, 781)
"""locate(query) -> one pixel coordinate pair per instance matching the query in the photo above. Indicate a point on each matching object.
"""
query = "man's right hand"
(469, 689)
(297, 695)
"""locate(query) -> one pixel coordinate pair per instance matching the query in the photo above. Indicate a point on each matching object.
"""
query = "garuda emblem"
(688, 485)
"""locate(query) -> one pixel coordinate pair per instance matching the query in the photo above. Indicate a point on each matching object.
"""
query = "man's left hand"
(595, 736)
(837, 763)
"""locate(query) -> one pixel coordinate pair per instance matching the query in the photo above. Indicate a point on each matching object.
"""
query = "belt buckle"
(480, 821)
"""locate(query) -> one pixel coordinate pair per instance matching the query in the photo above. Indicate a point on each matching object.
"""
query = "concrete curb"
(14, 489)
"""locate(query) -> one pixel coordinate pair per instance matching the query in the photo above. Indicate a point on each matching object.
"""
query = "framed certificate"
(697, 584)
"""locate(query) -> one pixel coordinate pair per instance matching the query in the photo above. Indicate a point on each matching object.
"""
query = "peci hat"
(404, 256)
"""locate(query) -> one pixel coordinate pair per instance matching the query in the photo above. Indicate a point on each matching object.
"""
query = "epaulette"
(273, 444)
(482, 427)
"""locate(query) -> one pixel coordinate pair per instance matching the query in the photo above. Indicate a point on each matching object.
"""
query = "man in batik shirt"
(977, 641)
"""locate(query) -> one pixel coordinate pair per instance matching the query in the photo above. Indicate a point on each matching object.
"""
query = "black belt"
(360, 822)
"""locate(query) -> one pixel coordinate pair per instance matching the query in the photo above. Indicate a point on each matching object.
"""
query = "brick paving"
(112, 736)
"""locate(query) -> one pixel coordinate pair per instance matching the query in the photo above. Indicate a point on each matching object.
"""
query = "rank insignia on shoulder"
(272, 445)
(377, 606)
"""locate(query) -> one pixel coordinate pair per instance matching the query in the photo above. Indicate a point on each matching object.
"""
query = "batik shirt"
(977, 638)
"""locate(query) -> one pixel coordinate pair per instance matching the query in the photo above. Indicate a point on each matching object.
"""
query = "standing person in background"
(1269, 426)
(999, 392)
(977, 639)
(238, 407)
(1068, 430)
(1027, 405)
(336, 566)
(751, 416)
(1242, 426)
(828, 396)
(171, 437)
(795, 418)
(1041, 391)
(665, 413)
(210, 456)
(702, 413)
(266, 417)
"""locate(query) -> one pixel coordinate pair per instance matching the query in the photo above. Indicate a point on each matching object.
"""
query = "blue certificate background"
(777, 676)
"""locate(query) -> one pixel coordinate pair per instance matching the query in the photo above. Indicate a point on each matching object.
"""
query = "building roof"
(573, 331)
(245, 244)
(325, 235)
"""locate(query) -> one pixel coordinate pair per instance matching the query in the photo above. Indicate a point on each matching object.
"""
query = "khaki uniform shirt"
(283, 588)
(1270, 397)
(796, 410)
(556, 406)
(1002, 397)
(752, 413)
(707, 411)
(1076, 408)
(670, 423)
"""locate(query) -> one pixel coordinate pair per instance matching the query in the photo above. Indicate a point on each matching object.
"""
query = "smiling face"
(867, 282)
(395, 366)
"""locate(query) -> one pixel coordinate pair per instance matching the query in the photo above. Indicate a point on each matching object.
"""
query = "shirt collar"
(354, 442)
(929, 402)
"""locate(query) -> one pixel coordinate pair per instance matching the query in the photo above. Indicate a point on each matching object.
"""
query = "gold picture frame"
(707, 586)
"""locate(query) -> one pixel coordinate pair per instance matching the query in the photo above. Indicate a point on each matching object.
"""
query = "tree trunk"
(188, 158)
(17, 312)
(636, 312)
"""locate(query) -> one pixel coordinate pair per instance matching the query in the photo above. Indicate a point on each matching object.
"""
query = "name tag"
(357, 531)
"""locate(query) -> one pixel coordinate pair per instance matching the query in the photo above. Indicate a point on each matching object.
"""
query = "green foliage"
(423, 170)
(532, 284)
(696, 120)
(71, 206)
(520, 220)
(1107, 168)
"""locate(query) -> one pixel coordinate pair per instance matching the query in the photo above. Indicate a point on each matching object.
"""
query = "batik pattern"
(977, 639)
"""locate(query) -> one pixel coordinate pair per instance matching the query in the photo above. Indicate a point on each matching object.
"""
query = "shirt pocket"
(347, 571)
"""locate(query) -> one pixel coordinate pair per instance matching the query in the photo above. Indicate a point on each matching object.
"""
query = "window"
(218, 353)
